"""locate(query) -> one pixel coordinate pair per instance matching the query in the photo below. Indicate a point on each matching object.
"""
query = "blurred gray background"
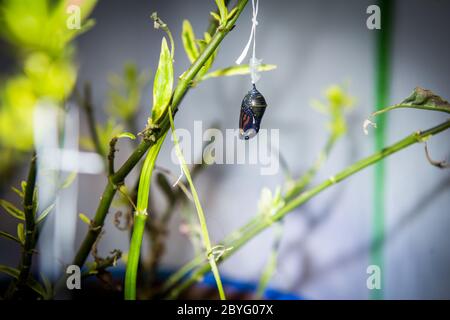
(324, 250)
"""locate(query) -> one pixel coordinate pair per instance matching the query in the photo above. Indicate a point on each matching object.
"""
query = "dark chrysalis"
(252, 111)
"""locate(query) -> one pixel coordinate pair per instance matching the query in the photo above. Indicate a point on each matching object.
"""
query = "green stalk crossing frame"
(382, 86)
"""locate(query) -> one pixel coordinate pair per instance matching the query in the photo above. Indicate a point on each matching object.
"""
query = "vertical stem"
(87, 105)
(133, 257)
(30, 232)
(200, 213)
(140, 219)
(382, 84)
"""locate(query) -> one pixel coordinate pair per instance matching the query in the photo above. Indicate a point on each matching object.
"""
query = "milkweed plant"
(47, 69)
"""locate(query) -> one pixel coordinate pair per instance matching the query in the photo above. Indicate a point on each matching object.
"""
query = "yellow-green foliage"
(338, 102)
(38, 33)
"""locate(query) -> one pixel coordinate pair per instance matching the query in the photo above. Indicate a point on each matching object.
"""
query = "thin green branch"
(86, 103)
(238, 239)
(201, 216)
(30, 232)
(445, 109)
(111, 156)
(140, 219)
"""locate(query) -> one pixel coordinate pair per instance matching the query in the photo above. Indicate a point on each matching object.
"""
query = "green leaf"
(13, 272)
(189, 44)
(21, 233)
(163, 83)
(18, 192)
(420, 99)
(427, 99)
(205, 68)
(215, 16)
(237, 70)
(12, 210)
(222, 9)
(9, 236)
(126, 135)
(32, 283)
(45, 213)
(232, 13)
(69, 180)
(85, 219)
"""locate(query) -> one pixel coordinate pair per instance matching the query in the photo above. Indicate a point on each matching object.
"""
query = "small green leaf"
(189, 44)
(18, 192)
(12, 210)
(163, 83)
(69, 180)
(45, 213)
(232, 13)
(237, 70)
(9, 236)
(222, 10)
(205, 68)
(21, 233)
(85, 219)
(13, 272)
(128, 135)
(215, 16)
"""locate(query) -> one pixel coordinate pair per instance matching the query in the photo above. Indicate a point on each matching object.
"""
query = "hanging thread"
(254, 62)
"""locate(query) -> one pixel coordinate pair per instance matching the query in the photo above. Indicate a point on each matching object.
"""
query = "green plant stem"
(382, 84)
(30, 232)
(140, 219)
(238, 239)
(111, 156)
(445, 109)
(200, 213)
(133, 256)
(119, 176)
(89, 110)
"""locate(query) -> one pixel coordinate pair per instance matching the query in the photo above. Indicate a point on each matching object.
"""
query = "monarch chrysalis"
(252, 111)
